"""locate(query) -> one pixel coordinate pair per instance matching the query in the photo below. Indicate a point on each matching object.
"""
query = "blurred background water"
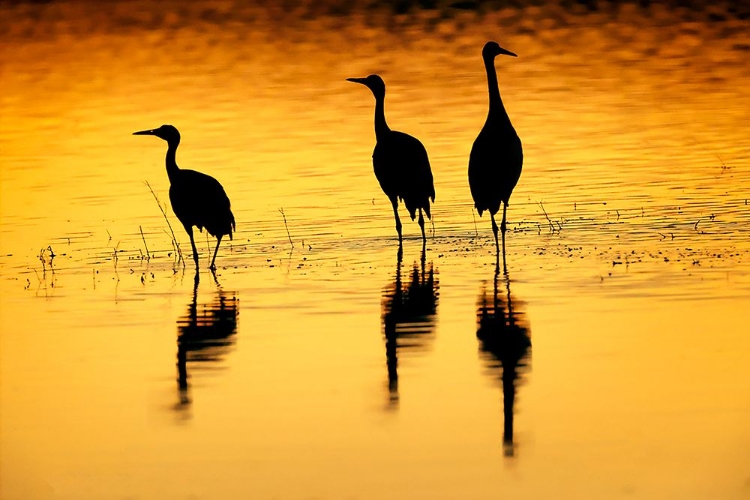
(611, 360)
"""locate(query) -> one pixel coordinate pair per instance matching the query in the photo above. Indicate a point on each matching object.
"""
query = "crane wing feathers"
(495, 164)
(402, 168)
(199, 200)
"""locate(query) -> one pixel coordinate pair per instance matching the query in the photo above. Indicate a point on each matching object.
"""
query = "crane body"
(496, 157)
(401, 164)
(197, 199)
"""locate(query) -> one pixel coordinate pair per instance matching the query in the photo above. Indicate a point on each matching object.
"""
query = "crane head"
(492, 49)
(374, 83)
(166, 132)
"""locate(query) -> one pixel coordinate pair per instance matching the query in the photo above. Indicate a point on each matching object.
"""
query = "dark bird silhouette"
(496, 157)
(197, 199)
(400, 161)
(505, 341)
(408, 315)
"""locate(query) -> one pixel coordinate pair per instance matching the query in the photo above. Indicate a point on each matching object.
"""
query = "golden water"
(328, 371)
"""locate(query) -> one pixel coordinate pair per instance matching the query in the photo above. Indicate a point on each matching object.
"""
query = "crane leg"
(213, 261)
(189, 230)
(505, 267)
(494, 231)
(394, 202)
(421, 225)
(503, 228)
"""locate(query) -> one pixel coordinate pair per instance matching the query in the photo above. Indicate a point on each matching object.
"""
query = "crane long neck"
(381, 127)
(172, 168)
(497, 111)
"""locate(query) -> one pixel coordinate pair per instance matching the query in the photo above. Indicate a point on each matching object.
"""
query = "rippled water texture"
(611, 359)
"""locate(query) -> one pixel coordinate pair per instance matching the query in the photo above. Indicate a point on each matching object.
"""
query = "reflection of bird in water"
(497, 156)
(401, 164)
(408, 317)
(204, 336)
(504, 336)
(197, 199)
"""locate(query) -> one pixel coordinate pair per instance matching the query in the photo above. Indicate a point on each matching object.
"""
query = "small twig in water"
(115, 258)
(41, 258)
(549, 221)
(476, 231)
(148, 255)
(724, 166)
(175, 243)
(287, 227)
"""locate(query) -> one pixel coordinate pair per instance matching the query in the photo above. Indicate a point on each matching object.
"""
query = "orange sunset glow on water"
(606, 356)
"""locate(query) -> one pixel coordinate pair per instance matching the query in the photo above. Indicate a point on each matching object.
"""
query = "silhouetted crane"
(197, 199)
(400, 161)
(497, 156)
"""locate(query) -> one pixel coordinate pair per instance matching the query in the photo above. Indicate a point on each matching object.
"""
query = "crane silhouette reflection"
(504, 336)
(408, 313)
(204, 337)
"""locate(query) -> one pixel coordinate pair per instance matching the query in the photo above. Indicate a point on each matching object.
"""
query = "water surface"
(611, 360)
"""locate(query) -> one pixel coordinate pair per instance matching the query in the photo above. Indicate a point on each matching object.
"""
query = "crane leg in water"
(421, 225)
(505, 268)
(494, 231)
(189, 230)
(218, 242)
(394, 202)
(503, 228)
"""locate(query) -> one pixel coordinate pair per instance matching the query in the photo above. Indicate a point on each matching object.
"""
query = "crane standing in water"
(197, 199)
(496, 157)
(401, 163)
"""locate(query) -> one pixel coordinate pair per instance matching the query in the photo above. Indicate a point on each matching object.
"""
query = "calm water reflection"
(634, 124)
(505, 342)
(205, 335)
(409, 314)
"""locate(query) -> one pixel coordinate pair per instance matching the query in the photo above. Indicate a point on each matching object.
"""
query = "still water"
(611, 360)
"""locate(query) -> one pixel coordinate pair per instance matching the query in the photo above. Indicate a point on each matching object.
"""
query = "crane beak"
(506, 52)
(145, 132)
(357, 80)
